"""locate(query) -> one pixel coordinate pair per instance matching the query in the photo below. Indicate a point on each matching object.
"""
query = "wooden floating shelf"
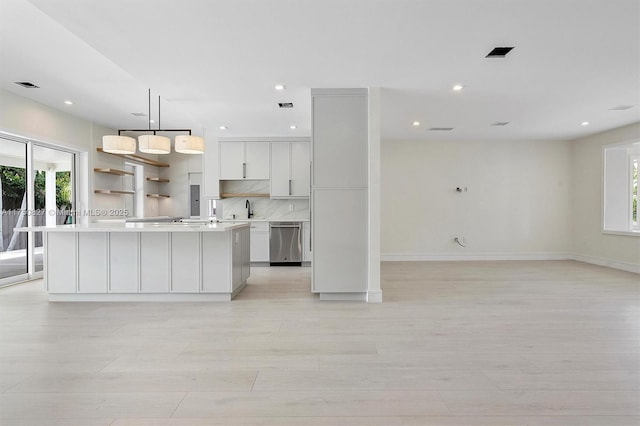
(157, 179)
(230, 195)
(112, 171)
(138, 158)
(157, 196)
(113, 192)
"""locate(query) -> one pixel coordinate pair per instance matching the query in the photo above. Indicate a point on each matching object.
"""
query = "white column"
(374, 291)
(50, 196)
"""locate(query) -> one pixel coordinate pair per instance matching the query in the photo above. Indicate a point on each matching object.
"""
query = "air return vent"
(500, 123)
(27, 84)
(441, 129)
(621, 108)
(285, 104)
(499, 52)
(139, 114)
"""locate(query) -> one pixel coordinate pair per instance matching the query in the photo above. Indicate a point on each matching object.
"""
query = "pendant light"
(116, 144)
(187, 144)
(151, 142)
(154, 144)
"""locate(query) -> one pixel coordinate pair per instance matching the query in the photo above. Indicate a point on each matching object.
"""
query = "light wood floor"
(454, 343)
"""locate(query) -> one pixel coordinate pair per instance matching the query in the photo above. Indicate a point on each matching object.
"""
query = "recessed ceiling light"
(585, 123)
(280, 87)
(416, 123)
(152, 121)
(293, 127)
(223, 127)
(68, 102)
(458, 87)
(499, 52)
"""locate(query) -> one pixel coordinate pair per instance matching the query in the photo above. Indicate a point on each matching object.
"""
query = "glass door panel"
(13, 207)
(53, 193)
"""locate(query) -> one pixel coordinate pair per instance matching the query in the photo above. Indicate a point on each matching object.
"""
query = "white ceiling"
(216, 62)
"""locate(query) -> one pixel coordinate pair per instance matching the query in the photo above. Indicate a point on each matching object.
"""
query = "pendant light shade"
(116, 144)
(187, 144)
(154, 144)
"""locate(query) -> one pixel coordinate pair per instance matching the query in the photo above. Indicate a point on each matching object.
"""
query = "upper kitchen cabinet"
(290, 169)
(340, 129)
(210, 170)
(244, 160)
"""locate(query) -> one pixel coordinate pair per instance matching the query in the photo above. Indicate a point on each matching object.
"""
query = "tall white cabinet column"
(340, 198)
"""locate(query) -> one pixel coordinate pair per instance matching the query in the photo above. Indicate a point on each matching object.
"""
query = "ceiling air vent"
(499, 52)
(27, 84)
(139, 114)
(500, 123)
(621, 108)
(441, 129)
(285, 104)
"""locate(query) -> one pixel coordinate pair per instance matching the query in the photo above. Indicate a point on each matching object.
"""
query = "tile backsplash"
(262, 207)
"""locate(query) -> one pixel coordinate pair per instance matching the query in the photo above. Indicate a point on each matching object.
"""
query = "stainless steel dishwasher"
(285, 246)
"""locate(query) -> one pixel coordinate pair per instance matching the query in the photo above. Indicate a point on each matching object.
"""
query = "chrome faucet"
(248, 206)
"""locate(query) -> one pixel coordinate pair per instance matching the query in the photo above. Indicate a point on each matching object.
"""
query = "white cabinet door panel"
(216, 267)
(211, 170)
(185, 262)
(340, 141)
(259, 246)
(306, 242)
(92, 262)
(123, 254)
(231, 160)
(257, 159)
(61, 262)
(300, 169)
(339, 241)
(280, 169)
(154, 262)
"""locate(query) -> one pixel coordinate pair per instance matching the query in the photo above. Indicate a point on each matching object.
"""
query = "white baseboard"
(374, 296)
(422, 257)
(615, 264)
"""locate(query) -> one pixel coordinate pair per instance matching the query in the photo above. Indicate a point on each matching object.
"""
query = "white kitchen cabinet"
(290, 168)
(185, 262)
(211, 170)
(340, 136)
(340, 241)
(92, 271)
(259, 241)
(154, 262)
(123, 262)
(306, 242)
(244, 160)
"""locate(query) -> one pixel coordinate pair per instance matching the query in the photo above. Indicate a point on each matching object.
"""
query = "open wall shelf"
(157, 196)
(112, 171)
(137, 158)
(157, 179)
(113, 192)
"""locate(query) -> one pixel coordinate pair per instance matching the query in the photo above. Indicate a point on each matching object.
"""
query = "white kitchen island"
(145, 261)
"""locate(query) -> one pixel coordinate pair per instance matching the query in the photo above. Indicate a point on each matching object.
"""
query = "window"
(621, 164)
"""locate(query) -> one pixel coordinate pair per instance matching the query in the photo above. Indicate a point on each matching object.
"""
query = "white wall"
(589, 243)
(32, 120)
(517, 205)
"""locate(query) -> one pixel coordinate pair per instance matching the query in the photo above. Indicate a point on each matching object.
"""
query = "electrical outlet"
(290, 207)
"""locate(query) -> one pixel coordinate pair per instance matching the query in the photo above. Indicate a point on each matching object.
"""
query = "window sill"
(632, 233)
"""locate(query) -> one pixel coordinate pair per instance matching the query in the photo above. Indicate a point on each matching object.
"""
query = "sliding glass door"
(13, 205)
(52, 193)
(37, 189)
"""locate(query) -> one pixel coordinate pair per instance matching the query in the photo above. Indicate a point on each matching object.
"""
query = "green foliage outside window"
(13, 181)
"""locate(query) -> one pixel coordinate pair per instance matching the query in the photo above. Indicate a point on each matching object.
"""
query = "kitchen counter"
(117, 261)
(140, 227)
